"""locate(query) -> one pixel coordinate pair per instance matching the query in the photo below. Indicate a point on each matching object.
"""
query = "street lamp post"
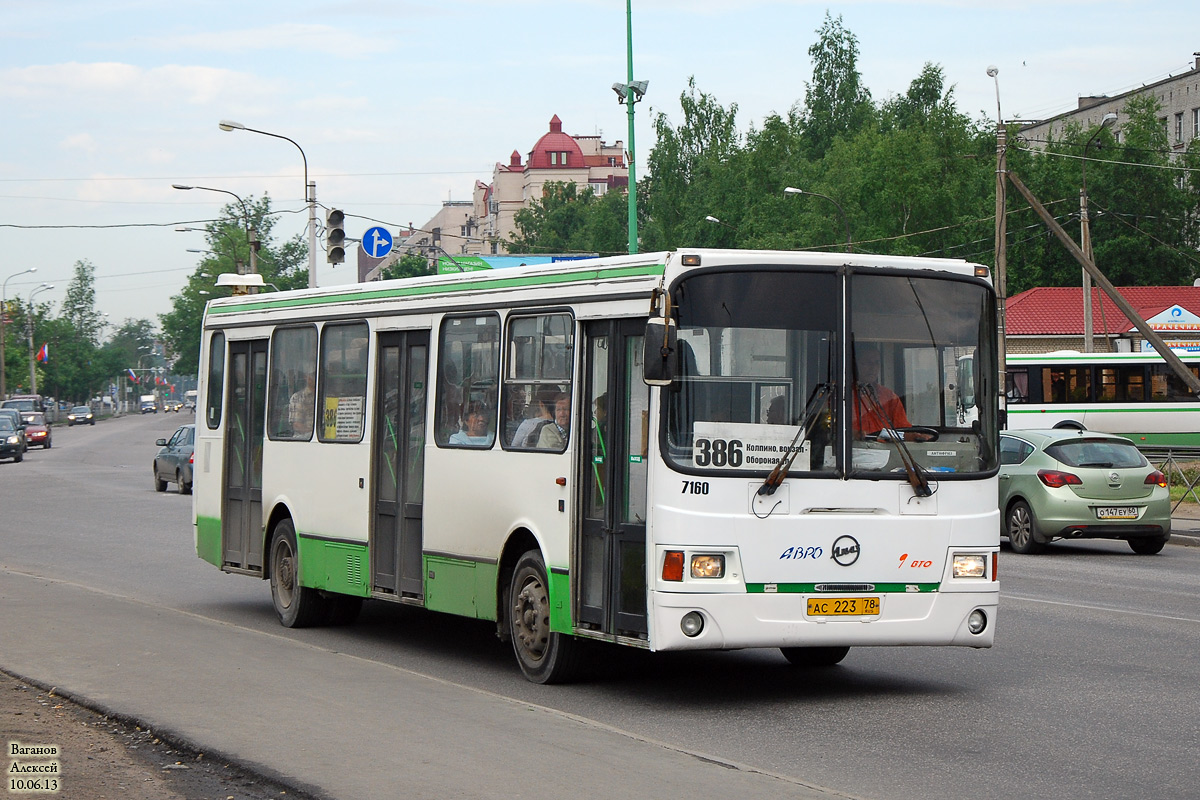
(629, 93)
(1085, 236)
(251, 233)
(238, 263)
(842, 211)
(3, 305)
(29, 330)
(310, 195)
(1001, 246)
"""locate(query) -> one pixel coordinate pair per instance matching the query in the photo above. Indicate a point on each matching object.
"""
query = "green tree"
(836, 102)
(410, 265)
(284, 266)
(566, 220)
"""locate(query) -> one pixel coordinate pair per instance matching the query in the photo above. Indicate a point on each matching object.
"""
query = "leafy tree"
(410, 265)
(836, 102)
(284, 266)
(566, 220)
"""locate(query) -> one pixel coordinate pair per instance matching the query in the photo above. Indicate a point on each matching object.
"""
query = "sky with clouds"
(402, 105)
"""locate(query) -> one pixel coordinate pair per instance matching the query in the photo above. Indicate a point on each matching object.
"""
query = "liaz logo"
(845, 550)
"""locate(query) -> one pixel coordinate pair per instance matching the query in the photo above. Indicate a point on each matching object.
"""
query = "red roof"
(555, 142)
(1058, 310)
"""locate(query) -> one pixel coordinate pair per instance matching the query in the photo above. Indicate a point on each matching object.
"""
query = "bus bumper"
(732, 621)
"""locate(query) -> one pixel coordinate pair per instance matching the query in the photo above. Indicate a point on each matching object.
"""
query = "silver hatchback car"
(1077, 484)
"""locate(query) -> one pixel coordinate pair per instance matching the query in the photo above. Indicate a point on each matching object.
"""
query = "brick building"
(1178, 95)
(1050, 318)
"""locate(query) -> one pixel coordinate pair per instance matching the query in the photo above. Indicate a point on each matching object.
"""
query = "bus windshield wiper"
(816, 402)
(916, 476)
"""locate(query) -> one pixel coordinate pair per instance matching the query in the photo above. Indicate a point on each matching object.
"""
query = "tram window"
(468, 367)
(343, 382)
(292, 395)
(216, 380)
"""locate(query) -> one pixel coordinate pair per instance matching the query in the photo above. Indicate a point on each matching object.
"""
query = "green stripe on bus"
(560, 603)
(445, 288)
(1098, 409)
(459, 586)
(811, 588)
(208, 539)
(334, 566)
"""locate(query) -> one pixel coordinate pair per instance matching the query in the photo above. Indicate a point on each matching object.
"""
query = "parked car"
(81, 415)
(12, 440)
(17, 419)
(37, 432)
(173, 464)
(1079, 484)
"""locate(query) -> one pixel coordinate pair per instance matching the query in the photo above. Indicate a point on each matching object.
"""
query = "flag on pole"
(44, 353)
(132, 375)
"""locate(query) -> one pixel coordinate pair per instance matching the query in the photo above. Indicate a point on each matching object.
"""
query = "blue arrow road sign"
(377, 242)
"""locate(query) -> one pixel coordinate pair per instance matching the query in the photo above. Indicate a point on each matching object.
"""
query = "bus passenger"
(300, 407)
(554, 435)
(542, 414)
(475, 430)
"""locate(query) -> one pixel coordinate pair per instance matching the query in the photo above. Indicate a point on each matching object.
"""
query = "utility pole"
(1001, 244)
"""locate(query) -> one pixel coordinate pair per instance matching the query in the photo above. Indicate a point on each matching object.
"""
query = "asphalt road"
(1091, 691)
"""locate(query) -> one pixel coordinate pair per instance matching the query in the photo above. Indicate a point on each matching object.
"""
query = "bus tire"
(1148, 545)
(1021, 528)
(814, 656)
(296, 605)
(544, 656)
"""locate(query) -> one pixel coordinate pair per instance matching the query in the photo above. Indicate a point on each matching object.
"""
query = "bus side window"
(216, 381)
(468, 366)
(537, 382)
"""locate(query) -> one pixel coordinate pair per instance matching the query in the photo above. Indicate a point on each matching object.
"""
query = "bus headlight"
(692, 623)
(970, 565)
(977, 621)
(708, 566)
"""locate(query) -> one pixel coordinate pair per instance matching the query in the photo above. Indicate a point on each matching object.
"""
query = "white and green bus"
(657, 450)
(1132, 394)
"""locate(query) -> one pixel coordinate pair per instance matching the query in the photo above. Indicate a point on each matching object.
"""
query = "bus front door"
(399, 464)
(242, 522)
(612, 533)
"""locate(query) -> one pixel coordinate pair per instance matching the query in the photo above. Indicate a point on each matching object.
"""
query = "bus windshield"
(772, 366)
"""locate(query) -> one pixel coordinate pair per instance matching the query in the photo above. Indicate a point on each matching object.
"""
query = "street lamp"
(238, 263)
(251, 233)
(628, 94)
(3, 305)
(29, 330)
(1085, 234)
(310, 195)
(842, 211)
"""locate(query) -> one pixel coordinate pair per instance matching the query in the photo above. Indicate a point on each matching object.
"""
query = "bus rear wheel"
(296, 605)
(814, 656)
(544, 656)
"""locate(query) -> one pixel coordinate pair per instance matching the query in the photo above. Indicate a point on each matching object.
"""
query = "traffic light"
(335, 236)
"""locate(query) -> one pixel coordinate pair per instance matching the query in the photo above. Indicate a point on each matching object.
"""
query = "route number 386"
(718, 453)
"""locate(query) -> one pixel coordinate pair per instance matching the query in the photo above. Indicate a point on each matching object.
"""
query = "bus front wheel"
(296, 605)
(544, 656)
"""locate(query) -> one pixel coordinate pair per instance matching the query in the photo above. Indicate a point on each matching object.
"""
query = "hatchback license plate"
(843, 606)
(1117, 512)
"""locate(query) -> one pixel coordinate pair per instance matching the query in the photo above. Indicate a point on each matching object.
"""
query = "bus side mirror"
(661, 352)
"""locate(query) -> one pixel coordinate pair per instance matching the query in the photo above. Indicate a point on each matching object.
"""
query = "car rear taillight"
(192, 458)
(1156, 478)
(1055, 479)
